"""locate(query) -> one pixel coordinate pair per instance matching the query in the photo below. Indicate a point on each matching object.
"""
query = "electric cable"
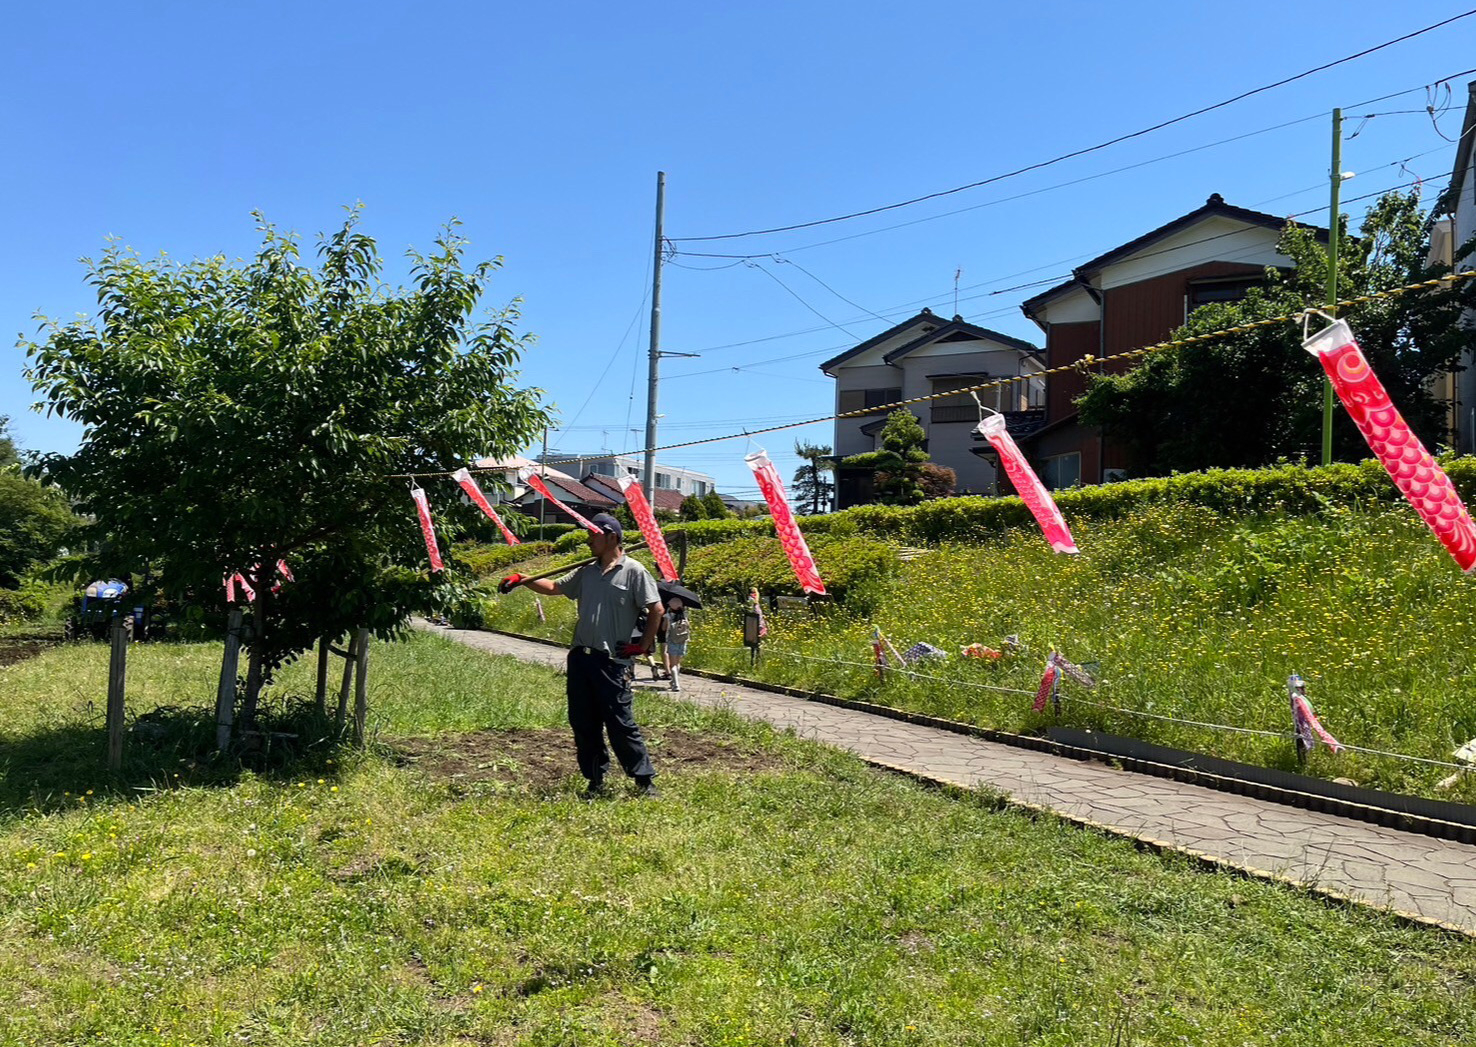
(1088, 149)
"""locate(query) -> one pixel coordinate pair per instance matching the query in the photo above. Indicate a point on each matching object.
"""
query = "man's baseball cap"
(608, 524)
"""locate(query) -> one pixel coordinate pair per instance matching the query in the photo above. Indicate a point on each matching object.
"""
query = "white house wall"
(1216, 239)
(1465, 228)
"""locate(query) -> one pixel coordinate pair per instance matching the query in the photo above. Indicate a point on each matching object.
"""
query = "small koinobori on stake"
(239, 578)
(1049, 681)
(1417, 475)
(790, 536)
(1032, 492)
(474, 492)
(536, 482)
(422, 510)
(1308, 728)
(645, 519)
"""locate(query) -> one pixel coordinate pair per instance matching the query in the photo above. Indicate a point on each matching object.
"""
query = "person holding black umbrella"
(611, 592)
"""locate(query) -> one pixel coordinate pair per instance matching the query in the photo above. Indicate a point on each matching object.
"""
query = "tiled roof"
(606, 486)
(576, 491)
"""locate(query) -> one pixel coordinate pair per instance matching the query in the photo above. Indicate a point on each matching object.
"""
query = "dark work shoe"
(647, 788)
(594, 790)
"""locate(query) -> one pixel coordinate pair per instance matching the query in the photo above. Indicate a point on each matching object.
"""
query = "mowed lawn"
(784, 894)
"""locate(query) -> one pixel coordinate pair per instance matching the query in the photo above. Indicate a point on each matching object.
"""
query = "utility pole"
(542, 501)
(649, 480)
(1336, 178)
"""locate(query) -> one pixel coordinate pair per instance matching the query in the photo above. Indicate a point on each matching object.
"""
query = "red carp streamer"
(536, 482)
(1037, 499)
(789, 533)
(635, 498)
(1047, 686)
(1308, 727)
(1415, 473)
(479, 499)
(422, 510)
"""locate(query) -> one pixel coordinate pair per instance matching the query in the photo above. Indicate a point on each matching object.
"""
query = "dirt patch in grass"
(542, 760)
(12, 651)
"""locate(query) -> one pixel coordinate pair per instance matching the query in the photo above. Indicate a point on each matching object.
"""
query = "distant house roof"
(606, 486)
(1214, 207)
(669, 498)
(576, 491)
(930, 328)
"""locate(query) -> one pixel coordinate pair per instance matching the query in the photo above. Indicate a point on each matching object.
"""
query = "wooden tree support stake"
(117, 674)
(361, 686)
(225, 694)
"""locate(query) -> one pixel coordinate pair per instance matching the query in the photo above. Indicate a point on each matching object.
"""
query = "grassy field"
(1191, 616)
(450, 888)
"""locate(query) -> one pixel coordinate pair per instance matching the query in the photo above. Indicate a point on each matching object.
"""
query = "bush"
(545, 532)
(485, 560)
(750, 561)
(470, 613)
(21, 605)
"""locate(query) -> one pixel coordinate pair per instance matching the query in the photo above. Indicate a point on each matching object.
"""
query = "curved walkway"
(1418, 877)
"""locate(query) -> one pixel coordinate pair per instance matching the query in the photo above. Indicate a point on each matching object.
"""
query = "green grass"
(1192, 615)
(819, 902)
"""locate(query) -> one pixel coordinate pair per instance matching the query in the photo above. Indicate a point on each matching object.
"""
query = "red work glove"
(629, 650)
(509, 583)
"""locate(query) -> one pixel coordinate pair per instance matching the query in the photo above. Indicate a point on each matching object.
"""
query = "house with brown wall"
(1132, 296)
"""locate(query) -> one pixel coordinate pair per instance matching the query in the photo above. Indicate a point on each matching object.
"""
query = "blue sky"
(541, 127)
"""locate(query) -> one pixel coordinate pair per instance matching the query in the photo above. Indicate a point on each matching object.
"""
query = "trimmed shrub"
(733, 567)
(545, 532)
(484, 560)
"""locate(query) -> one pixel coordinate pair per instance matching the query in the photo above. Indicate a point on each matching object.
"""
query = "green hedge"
(849, 566)
(484, 560)
(545, 532)
(1292, 490)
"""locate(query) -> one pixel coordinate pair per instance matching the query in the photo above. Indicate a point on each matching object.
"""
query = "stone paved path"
(1419, 876)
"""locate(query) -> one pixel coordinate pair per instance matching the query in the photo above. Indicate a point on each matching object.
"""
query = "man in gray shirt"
(611, 592)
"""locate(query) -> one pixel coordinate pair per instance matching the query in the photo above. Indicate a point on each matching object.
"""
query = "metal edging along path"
(1314, 796)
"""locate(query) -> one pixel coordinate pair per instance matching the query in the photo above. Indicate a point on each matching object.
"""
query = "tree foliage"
(1254, 398)
(35, 520)
(716, 508)
(938, 481)
(237, 414)
(898, 465)
(812, 491)
(692, 508)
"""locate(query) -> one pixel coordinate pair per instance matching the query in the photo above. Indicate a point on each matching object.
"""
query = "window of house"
(663, 480)
(1061, 470)
(1229, 289)
(959, 408)
(864, 399)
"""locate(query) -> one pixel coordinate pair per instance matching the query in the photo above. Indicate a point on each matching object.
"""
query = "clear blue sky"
(542, 128)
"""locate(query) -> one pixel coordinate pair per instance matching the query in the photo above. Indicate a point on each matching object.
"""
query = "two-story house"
(1132, 296)
(1454, 226)
(923, 355)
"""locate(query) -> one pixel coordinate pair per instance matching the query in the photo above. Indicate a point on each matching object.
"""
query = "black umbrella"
(670, 589)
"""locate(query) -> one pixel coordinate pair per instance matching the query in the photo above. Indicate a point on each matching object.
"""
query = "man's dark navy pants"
(600, 701)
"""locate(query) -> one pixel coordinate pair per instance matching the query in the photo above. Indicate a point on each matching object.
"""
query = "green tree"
(811, 488)
(238, 414)
(692, 508)
(35, 520)
(1251, 399)
(898, 465)
(716, 510)
(938, 481)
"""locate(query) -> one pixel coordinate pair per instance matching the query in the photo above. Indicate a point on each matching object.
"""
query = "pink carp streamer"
(536, 482)
(1037, 499)
(1414, 472)
(758, 609)
(231, 580)
(1073, 670)
(464, 478)
(1047, 686)
(635, 498)
(789, 533)
(1308, 727)
(422, 510)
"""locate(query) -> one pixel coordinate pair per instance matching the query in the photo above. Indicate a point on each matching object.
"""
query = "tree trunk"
(257, 670)
(341, 718)
(320, 696)
(361, 686)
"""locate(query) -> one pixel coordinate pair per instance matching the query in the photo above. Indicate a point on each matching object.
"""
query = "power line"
(1084, 151)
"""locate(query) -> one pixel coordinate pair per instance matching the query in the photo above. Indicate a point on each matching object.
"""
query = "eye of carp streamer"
(789, 533)
(1414, 472)
(1034, 494)
(474, 492)
(536, 482)
(645, 519)
(422, 509)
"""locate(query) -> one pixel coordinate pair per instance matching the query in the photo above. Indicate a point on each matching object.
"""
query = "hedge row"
(1292, 490)
(545, 532)
(485, 560)
(732, 568)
